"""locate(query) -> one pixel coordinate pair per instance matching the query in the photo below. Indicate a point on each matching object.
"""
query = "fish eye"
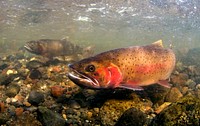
(90, 68)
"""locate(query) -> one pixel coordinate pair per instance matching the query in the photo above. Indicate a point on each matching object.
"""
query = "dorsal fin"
(158, 43)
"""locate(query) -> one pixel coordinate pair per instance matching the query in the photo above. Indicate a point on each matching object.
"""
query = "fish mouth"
(82, 80)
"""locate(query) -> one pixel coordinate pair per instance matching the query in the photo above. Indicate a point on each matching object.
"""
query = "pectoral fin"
(164, 83)
(131, 87)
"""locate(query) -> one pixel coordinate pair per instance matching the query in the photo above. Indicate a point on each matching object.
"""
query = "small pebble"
(198, 86)
(35, 74)
(19, 98)
(9, 72)
(96, 110)
(8, 100)
(184, 90)
(57, 91)
(64, 116)
(19, 111)
(2, 107)
(70, 111)
(190, 83)
(74, 104)
(3, 66)
(89, 115)
(31, 109)
(27, 104)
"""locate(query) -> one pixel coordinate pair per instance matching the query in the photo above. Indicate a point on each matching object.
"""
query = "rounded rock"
(35, 97)
(35, 74)
(12, 90)
(132, 117)
(73, 104)
(57, 91)
(19, 111)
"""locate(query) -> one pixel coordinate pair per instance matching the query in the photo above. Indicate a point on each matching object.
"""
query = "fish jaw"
(33, 47)
(82, 80)
(29, 48)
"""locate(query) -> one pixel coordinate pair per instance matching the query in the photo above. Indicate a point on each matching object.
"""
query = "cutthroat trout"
(129, 68)
(51, 48)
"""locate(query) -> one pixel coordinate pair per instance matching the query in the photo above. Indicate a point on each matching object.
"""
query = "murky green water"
(106, 24)
(33, 89)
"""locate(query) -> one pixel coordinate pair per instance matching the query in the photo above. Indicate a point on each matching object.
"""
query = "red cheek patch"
(110, 76)
(116, 75)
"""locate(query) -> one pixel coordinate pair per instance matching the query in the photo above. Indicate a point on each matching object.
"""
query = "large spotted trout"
(130, 68)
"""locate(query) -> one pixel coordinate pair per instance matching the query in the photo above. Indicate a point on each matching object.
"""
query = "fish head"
(94, 74)
(34, 47)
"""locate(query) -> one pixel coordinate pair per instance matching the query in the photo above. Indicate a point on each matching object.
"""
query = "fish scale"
(130, 68)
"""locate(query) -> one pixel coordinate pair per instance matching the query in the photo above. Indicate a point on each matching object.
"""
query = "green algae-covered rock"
(184, 112)
(49, 118)
(112, 109)
(132, 117)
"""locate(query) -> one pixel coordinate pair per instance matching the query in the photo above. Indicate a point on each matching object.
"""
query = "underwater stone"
(179, 79)
(112, 109)
(35, 74)
(3, 66)
(34, 64)
(180, 67)
(49, 118)
(73, 104)
(6, 79)
(23, 72)
(173, 95)
(156, 93)
(12, 90)
(132, 117)
(190, 83)
(182, 113)
(4, 118)
(57, 91)
(35, 97)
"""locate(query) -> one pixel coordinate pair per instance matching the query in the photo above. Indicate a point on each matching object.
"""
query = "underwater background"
(104, 23)
(34, 91)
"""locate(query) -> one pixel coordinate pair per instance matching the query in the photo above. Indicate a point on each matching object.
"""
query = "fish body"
(129, 68)
(51, 48)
